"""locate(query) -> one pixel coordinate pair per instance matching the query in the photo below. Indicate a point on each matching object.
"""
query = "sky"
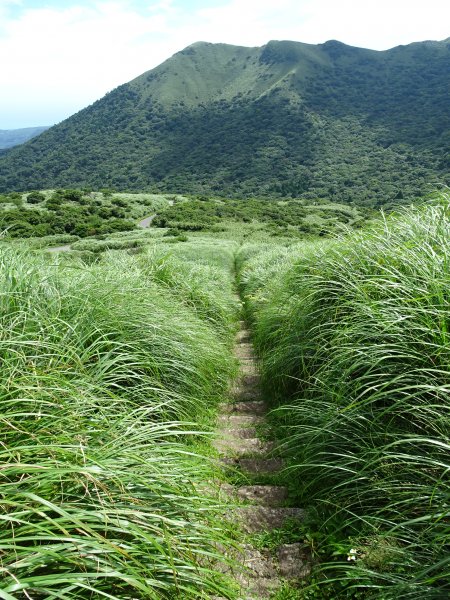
(58, 56)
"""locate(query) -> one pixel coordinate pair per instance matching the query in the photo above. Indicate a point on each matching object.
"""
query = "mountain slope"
(14, 137)
(288, 118)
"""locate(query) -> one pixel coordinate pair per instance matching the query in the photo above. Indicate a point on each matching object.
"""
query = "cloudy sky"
(58, 56)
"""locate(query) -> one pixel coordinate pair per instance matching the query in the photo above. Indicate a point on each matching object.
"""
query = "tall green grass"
(105, 377)
(354, 339)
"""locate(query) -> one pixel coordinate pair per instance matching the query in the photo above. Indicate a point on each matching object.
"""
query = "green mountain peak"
(317, 121)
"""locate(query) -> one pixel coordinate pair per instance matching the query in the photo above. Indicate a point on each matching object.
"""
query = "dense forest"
(287, 120)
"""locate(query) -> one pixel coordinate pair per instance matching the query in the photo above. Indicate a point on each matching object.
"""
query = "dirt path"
(146, 222)
(263, 507)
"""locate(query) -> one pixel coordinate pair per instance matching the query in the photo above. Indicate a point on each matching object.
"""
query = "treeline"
(353, 338)
(70, 211)
(282, 217)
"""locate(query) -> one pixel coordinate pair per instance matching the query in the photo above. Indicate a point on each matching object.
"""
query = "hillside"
(14, 137)
(286, 119)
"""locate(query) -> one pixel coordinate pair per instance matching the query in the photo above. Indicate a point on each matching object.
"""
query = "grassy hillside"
(353, 339)
(287, 119)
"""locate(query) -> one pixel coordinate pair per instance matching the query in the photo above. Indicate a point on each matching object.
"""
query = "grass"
(353, 336)
(107, 380)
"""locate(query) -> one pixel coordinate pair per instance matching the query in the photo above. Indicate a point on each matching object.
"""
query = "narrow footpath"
(261, 507)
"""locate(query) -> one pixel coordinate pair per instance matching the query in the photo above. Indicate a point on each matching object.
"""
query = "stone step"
(233, 446)
(251, 407)
(259, 573)
(236, 421)
(244, 394)
(260, 466)
(294, 561)
(248, 368)
(244, 350)
(243, 433)
(254, 519)
(246, 384)
(267, 495)
(243, 336)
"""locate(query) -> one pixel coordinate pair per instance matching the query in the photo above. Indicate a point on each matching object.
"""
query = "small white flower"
(351, 554)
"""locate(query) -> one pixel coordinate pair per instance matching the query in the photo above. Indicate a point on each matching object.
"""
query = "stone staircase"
(260, 507)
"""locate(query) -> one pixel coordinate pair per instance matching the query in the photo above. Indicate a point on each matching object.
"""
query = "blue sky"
(58, 56)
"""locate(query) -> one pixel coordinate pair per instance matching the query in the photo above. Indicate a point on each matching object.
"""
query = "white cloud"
(61, 59)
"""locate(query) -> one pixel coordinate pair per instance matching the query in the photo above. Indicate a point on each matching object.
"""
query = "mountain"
(14, 137)
(287, 119)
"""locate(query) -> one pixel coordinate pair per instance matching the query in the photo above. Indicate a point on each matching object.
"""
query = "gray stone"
(235, 446)
(250, 407)
(260, 466)
(264, 518)
(235, 421)
(267, 495)
(294, 561)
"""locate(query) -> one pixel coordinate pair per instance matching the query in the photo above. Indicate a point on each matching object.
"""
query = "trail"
(264, 508)
(145, 223)
(64, 248)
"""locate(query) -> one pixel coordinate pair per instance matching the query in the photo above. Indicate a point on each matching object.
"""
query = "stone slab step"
(244, 350)
(242, 433)
(248, 368)
(266, 495)
(243, 336)
(228, 445)
(236, 421)
(260, 466)
(294, 561)
(244, 394)
(254, 519)
(249, 407)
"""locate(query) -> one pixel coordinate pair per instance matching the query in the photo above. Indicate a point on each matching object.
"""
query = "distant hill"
(14, 137)
(286, 119)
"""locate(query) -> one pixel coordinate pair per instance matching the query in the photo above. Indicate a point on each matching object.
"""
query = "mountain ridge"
(13, 137)
(281, 119)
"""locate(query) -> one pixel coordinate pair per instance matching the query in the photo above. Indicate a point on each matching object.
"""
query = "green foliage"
(289, 217)
(354, 346)
(35, 197)
(288, 119)
(74, 212)
(106, 377)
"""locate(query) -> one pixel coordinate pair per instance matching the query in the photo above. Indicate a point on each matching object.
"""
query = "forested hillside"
(287, 119)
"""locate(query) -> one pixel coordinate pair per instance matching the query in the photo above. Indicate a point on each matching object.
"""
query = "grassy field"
(353, 337)
(116, 354)
(110, 374)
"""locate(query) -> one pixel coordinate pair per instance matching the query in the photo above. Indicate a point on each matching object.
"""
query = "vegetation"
(353, 339)
(290, 218)
(285, 120)
(75, 212)
(110, 373)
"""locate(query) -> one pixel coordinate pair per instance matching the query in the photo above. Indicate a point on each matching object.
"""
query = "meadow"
(353, 339)
(116, 354)
(110, 375)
